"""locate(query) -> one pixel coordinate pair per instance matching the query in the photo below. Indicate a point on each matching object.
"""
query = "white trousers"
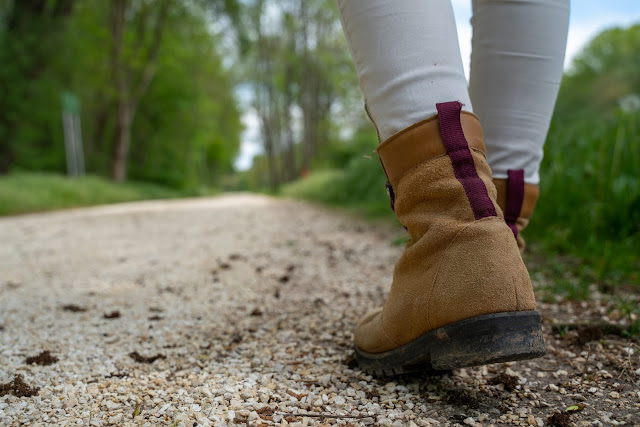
(407, 57)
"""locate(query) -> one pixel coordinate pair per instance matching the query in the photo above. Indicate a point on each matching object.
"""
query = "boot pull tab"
(515, 197)
(461, 158)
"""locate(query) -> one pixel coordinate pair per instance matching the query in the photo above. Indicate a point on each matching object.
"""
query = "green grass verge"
(359, 188)
(36, 192)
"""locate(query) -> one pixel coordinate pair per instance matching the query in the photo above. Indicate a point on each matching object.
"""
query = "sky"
(587, 19)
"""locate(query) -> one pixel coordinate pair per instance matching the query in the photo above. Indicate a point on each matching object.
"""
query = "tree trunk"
(131, 85)
(121, 143)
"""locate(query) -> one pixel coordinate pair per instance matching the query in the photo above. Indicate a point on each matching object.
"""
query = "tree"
(298, 66)
(165, 72)
(133, 66)
(29, 29)
(602, 74)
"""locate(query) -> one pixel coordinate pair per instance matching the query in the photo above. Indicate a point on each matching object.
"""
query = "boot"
(461, 294)
(517, 200)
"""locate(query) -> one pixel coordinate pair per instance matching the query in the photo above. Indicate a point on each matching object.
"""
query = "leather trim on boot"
(406, 149)
(517, 200)
(462, 160)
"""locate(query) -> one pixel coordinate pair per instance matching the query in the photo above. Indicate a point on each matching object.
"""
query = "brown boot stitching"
(442, 259)
(384, 330)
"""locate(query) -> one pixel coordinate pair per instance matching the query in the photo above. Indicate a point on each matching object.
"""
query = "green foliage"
(187, 132)
(359, 186)
(302, 79)
(28, 36)
(187, 128)
(602, 75)
(590, 196)
(35, 192)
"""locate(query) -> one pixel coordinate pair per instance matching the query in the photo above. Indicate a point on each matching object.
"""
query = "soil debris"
(113, 315)
(118, 375)
(145, 359)
(256, 312)
(509, 381)
(373, 393)
(236, 338)
(588, 334)
(284, 278)
(266, 413)
(560, 419)
(351, 362)
(74, 308)
(45, 358)
(606, 328)
(18, 388)
(155, 317)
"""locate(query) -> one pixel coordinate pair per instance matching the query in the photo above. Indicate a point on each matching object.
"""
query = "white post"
(67, 124)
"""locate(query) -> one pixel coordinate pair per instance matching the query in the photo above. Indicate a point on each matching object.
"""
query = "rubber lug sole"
(491, 338)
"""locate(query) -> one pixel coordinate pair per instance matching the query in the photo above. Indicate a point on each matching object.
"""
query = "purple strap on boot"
(515, 197)
(462, 160)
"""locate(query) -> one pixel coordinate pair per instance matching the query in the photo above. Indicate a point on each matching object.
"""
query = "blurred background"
(107, 101)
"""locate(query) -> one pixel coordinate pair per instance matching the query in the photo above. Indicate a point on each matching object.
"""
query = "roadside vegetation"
(37, 192)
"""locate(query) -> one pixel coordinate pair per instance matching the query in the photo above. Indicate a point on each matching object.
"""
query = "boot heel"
(491, 338)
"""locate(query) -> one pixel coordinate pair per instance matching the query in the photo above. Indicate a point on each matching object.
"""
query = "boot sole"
(491, 338)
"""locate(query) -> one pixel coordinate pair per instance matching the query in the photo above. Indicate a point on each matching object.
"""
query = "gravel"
(239, 310)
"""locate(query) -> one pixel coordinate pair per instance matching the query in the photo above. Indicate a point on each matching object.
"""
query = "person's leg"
(461, 294)
(516, 68)
(407, 57)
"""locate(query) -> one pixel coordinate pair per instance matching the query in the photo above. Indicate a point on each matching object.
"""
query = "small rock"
(324, 380)
(116, 419)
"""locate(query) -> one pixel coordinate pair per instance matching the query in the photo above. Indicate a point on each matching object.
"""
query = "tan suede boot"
(517, 200)
(461, 294)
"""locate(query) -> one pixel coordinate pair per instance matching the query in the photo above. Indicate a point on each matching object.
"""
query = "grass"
(589, 206)
(358, 188)
(586, 228)
(37, 192)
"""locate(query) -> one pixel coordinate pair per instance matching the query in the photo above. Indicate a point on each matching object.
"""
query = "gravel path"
(238, 310)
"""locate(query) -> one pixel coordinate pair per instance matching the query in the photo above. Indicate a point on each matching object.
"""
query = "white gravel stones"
(251, 301)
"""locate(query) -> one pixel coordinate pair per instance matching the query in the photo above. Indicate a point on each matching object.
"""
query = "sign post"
(72, 134)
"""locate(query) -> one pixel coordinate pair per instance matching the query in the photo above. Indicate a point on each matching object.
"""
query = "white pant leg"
(516, 68)
(407, 57)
